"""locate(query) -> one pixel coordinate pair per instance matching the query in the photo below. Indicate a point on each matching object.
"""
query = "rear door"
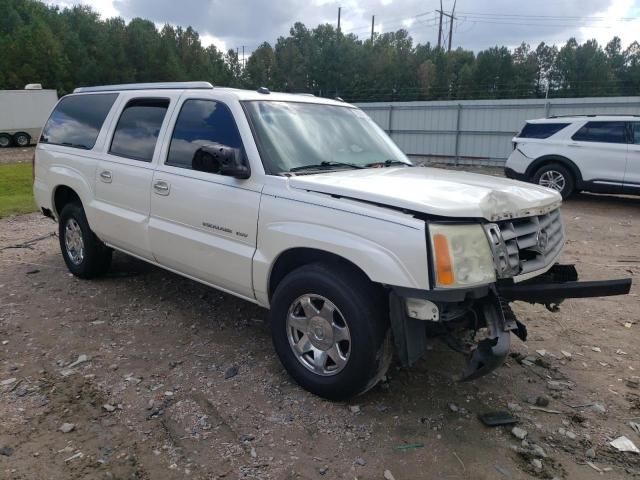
(204, 224)
(125, 171)
(599, 149)
(632, 174)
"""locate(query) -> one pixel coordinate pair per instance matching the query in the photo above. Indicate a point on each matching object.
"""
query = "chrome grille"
(528, 244)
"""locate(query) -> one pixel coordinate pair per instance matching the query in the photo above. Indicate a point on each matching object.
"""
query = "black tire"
(552, 169)
(96, 256)
(365, 311)
(21, 139)
(5, 140)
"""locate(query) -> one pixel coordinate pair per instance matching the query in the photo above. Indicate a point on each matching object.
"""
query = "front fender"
(389, 253)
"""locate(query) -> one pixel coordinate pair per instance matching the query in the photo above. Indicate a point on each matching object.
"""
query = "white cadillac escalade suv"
(305, 206)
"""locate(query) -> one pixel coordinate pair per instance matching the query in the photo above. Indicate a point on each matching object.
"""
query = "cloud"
(232, 24)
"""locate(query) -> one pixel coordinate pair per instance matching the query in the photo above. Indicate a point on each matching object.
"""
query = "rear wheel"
(22, 139)
(5, 140)
(557, 177)
(85, 255)
(330, 329)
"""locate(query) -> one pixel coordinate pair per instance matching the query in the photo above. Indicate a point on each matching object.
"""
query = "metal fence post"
(390, 120)
(457, 147)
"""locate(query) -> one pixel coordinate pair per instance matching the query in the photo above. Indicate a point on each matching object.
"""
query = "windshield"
(295, 136)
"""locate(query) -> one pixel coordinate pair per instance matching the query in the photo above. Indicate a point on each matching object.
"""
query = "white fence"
(477, 131)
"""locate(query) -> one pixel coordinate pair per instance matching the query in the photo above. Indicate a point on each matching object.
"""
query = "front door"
(204, 224)
(124, 174)
(599, 149)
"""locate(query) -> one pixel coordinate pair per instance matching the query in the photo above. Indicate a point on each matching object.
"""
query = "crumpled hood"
(435, 191)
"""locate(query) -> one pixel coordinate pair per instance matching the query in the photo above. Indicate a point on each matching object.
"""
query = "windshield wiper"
(325, 165)
(388, 163)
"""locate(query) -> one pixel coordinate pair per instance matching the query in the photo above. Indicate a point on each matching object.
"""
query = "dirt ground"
(16, 155)
(151, 399)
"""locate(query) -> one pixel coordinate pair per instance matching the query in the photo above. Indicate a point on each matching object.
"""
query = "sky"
(479, 24)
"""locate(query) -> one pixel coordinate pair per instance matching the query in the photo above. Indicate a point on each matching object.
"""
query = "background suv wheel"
(557, 177)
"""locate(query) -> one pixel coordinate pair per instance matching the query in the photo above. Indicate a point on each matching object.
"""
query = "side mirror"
(220, 159)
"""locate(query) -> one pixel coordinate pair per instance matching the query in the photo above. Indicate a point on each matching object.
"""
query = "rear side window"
(76, 121)
(201, 122)
(137, 131)
(606, 132)
(541, 130)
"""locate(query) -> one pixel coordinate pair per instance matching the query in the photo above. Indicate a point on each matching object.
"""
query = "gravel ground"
(149, 398)
(16, 155)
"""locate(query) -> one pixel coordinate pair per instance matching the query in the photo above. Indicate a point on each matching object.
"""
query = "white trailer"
(23, 113)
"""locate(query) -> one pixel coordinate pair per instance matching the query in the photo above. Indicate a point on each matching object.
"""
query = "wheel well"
(547, 159)
(297, 257)
(21, 133)
(64, 195)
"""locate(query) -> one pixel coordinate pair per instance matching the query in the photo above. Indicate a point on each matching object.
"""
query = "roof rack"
(596, 115)
(147, 86)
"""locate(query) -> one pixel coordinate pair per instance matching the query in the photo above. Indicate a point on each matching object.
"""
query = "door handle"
(161, 187)
(105, 176)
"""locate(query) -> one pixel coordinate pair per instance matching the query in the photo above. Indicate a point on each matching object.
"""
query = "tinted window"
(138, 128)
(636, 133)
(77, 120)
(541, 130)
(608, 132)
(201, 122)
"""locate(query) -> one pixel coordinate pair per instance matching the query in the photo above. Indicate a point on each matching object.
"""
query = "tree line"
(71, 47)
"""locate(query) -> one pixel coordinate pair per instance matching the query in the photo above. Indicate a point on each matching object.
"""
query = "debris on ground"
(519, 433)
(67, 427)
(388, 475)
(623, 444)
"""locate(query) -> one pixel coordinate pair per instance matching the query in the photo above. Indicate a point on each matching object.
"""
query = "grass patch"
(16, 189)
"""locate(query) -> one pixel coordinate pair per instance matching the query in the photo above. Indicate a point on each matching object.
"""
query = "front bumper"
(488, 307)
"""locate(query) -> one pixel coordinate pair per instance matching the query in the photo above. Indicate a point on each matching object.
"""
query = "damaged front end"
(478, 322)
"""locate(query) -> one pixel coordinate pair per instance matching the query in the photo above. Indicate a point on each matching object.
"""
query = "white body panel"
(436, 191)
(25, 110)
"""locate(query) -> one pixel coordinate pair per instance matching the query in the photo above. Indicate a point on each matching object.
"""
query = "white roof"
(206, 86)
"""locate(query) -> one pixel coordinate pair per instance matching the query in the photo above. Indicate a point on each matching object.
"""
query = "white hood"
(435, 191)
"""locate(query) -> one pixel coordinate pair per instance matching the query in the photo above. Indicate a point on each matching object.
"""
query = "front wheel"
(557, 177)
(85, 255)
(330, 330)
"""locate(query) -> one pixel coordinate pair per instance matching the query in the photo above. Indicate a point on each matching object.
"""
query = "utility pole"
(451, 18)
(339, 11)
(373, 21)
(440, 28)
(243, 56)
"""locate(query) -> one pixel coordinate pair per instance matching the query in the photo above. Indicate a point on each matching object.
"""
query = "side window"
(541, 130)
(606, 132)
(201, 122)
(77, 119)
(138, 127)
(636, 133)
